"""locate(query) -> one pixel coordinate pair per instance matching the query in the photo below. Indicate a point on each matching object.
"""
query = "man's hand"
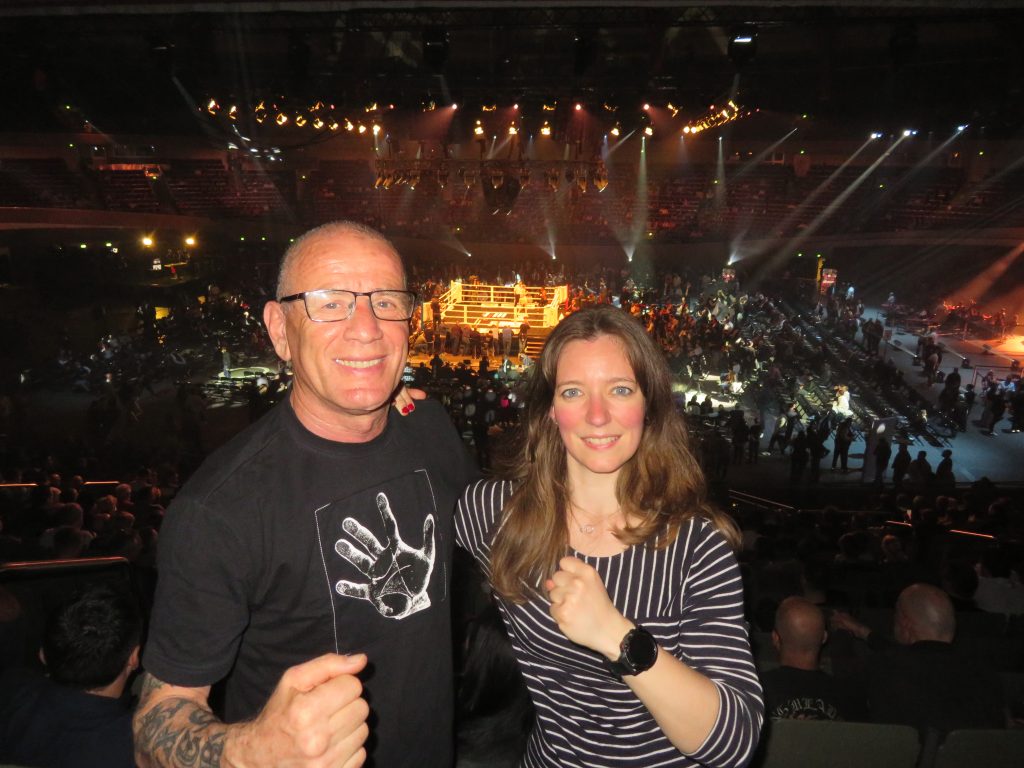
(584, 612)
(844, 621)
(398, 574)
(315, 717)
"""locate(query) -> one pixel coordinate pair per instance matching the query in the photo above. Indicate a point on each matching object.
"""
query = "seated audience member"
(77, 716)
(999, 587)
(799, 689)
(921, 679)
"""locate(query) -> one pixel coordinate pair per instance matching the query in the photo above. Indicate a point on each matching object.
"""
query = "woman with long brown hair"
(614, 575)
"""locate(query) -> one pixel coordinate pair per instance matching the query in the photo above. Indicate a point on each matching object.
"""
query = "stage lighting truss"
(490, 175)
(717, 116)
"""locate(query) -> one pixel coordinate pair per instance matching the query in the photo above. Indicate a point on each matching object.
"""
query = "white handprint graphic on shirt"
(398, 574)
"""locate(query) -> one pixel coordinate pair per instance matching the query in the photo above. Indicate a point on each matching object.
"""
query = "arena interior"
(816, 209)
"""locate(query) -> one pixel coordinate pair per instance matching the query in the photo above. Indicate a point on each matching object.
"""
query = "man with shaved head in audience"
(799, 689)
(922, 679)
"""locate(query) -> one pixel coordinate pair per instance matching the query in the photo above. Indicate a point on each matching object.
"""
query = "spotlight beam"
(755, 161)
(890, 193)
(839, 199)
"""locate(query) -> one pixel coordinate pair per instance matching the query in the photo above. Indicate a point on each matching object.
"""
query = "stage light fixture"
(478, 130)
(442, 177)
(147, 241)
(961, 128)
(212, 107)
(648, 131)
(615, 131)
(233, 112)
(281, 118)
(376, 129)
(361, 129)
(190, 241)
(875, 135)
(512, 130)
(578, 106)
(300, 120)
(545, 130)
(743, 45)
(348, 126)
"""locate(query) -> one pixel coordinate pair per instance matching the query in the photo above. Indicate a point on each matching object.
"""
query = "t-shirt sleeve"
(476, 518)
(201, 605)
(714, 641)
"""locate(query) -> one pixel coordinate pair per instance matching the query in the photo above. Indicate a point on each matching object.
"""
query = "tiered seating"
(341, 190)
(41, 183)
(199, 187)
(127, 190)
(260, 194)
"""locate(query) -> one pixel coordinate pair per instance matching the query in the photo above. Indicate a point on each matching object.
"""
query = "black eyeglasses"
(329, 305)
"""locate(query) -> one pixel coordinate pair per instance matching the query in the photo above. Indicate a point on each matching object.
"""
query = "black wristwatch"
(637, 653)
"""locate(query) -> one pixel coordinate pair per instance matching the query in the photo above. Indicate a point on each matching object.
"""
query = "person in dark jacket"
(921, 679)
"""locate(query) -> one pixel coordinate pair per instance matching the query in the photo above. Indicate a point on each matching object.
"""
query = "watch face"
(641, 649)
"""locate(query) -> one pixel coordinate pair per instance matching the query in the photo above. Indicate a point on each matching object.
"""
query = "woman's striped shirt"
(688, 595)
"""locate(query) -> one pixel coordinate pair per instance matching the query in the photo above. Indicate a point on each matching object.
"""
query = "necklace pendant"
(588, 529)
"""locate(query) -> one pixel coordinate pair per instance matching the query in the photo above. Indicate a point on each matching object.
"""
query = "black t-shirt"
(802, 694)
(285, 546)
(931, 685)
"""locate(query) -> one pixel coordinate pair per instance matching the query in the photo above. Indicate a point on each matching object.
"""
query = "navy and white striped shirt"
(688, 595)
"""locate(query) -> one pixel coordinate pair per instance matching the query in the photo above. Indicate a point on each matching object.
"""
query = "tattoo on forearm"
(178, 733)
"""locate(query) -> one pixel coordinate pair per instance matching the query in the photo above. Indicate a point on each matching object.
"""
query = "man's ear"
(42, 656)
(277, 328)
(133, 659)
(776, 640)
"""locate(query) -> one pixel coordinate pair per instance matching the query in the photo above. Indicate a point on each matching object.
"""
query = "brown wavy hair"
(661, 487)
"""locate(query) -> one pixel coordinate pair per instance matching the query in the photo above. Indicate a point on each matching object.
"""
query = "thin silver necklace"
(589, 529)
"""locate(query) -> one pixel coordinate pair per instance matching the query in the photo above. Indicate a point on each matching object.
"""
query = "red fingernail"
(412, 407)
(405, 409)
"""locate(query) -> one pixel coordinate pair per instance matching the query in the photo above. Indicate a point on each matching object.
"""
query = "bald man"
(798, 689)
(921, 679)
(306, 563)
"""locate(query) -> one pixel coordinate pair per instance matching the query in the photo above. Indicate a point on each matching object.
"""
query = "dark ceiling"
(143, 67)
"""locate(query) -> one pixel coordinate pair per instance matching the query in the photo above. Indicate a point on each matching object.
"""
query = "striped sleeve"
(476, 517)
(714, 641)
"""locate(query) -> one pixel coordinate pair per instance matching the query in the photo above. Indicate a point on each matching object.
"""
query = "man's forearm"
(176, 732)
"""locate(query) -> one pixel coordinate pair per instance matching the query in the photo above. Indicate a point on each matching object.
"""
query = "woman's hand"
(584, 612)
(404, 400)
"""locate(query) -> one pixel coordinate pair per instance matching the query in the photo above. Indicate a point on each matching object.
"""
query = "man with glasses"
(315, 546)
